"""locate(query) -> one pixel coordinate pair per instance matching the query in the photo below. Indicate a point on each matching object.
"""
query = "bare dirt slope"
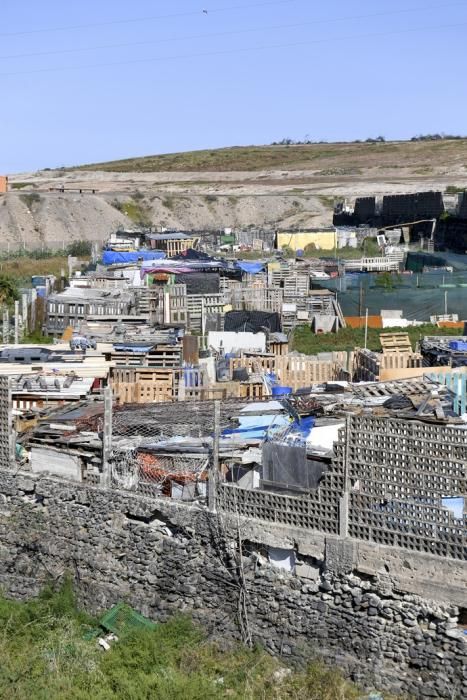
(270, 185)
(54, 220)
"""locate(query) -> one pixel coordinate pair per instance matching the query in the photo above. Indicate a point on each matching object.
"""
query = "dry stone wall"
(164, 558)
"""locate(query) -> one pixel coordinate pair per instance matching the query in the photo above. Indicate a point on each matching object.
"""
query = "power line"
(227, 52)
(137, 20)
(228, 33)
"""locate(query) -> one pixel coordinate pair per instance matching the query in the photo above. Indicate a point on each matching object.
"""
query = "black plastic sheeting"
(398, 403)
(199, 282)
(452, 234)
(287, 465)
(252, 322)
(191, 254)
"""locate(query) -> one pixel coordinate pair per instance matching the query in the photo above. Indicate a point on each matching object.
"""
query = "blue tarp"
(113, 257)
(298, 431)
(121, 347)
(252, 267)
(257, 427)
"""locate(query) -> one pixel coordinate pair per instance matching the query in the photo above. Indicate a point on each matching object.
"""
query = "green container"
(122, 619)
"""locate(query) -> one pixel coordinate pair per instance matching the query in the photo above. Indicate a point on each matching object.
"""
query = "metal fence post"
(24, 313)
(6, 325)
(16, 322)
(107, 438)
(214, 469)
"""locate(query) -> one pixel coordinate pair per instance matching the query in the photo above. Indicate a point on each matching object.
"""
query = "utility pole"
(445, 303)
(366, 327)
(214, 470)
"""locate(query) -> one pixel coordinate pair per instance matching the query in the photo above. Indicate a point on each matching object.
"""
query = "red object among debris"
(155, 468)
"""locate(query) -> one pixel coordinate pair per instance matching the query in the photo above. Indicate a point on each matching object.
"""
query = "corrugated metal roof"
(168, 237)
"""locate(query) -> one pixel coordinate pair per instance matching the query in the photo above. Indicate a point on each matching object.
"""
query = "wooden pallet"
(395, 342)
(143, 384)
(291, 370)
(164, 356)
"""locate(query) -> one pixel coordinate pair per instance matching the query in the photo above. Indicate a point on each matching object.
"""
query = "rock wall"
(163, 558)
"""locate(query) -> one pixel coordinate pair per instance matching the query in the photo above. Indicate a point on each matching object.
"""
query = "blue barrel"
(281, 390)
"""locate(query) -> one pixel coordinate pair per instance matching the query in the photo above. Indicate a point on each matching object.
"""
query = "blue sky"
(107, 79)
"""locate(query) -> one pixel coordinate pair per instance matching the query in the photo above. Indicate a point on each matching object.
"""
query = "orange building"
(359, 321)
(3, 184)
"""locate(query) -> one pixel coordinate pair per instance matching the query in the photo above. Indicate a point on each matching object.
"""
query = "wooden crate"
(254, 363)
(143, 384)
(279, 348)
(252, 391)
(368, 366)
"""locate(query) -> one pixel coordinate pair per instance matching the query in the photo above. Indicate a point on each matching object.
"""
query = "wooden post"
(214, 470)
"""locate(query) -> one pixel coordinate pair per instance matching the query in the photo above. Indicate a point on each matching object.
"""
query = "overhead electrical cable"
(138, 20)
(250, 30)
(227, 52)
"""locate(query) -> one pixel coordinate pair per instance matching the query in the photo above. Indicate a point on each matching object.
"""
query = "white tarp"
(232, 341)
(323, 436)
(282, 558)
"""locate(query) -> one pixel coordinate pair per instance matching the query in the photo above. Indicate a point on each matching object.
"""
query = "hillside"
(272, 186)
(424, 156)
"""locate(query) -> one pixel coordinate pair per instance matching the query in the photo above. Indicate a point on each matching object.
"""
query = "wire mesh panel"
(164, 450)
(159, 475)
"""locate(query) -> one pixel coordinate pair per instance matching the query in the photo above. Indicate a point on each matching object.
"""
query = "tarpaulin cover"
(179, 267)
(191, 254)
(258, 427)
(253, 268)
(200, 282)
(112, 257)
(252, 321)
(130, 347)
(302, 427)
(282, 558)
(288, 465)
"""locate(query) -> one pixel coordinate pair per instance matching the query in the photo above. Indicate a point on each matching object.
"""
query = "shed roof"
(177, 236)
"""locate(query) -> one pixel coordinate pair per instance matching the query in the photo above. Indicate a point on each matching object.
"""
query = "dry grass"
(323, 156)
(22, 269)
